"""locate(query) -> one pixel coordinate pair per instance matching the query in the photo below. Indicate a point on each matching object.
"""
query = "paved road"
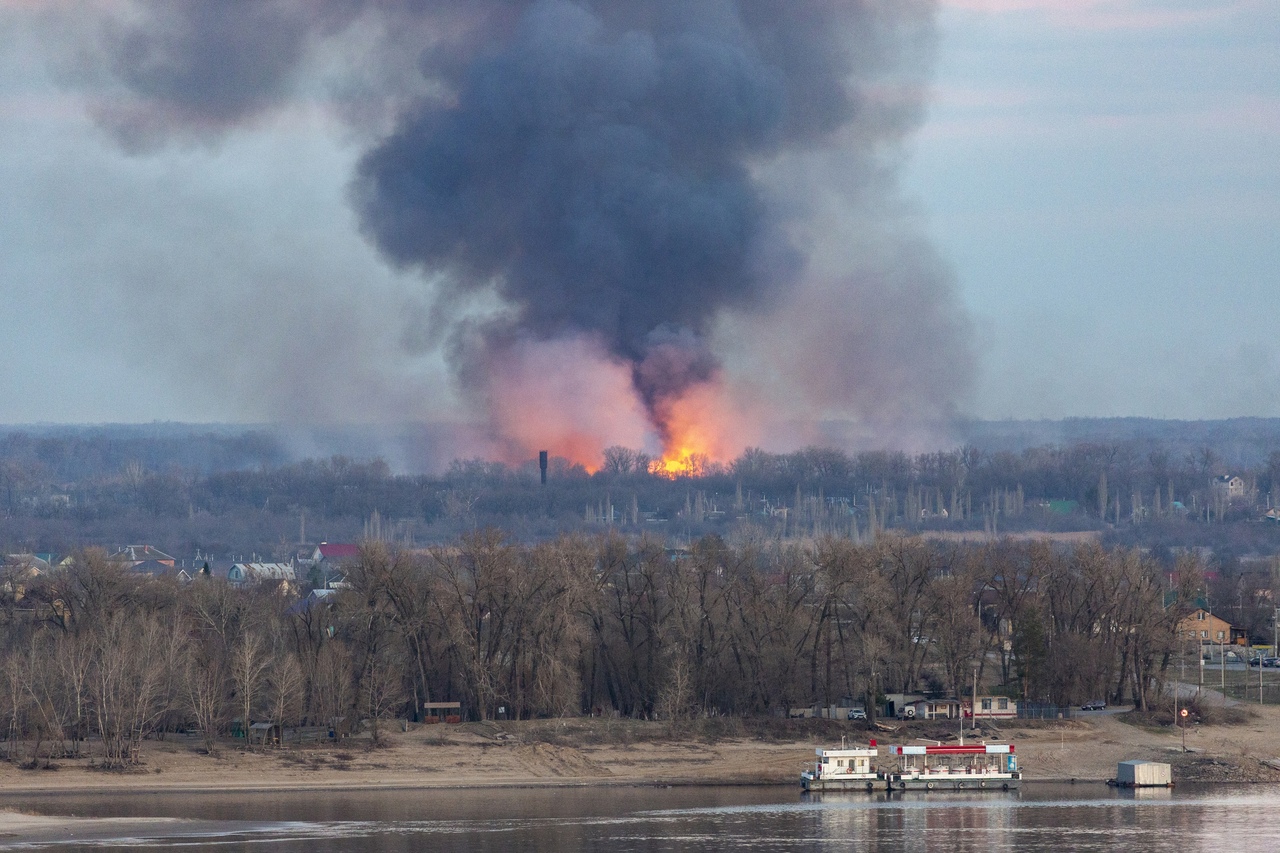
(1187, 692)
(1106, 712)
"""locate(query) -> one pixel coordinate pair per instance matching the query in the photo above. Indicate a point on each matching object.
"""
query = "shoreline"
(580, 754)
(549, 784)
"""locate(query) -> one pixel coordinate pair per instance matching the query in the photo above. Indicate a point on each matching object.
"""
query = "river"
(1040, 817)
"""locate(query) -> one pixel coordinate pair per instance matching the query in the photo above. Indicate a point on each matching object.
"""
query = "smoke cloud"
(679, 218)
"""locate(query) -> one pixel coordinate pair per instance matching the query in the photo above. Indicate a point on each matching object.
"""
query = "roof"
(261, 572)
(315, 597)
(141, 553)
(338, 551)
(155, 568)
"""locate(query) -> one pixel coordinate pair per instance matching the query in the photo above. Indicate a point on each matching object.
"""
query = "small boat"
(844, 769)
(954, 767)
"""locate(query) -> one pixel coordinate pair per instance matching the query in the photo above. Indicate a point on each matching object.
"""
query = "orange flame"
(700, 430)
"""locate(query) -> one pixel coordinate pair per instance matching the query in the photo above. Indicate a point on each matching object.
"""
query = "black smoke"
(607, 169)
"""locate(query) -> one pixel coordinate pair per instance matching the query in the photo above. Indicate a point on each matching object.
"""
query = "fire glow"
(577, 414)
(693, 427)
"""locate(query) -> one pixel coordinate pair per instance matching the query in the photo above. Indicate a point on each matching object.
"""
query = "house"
(17, 571)
(915, 706)
(132, 555)
(316, 598)
(993, 708)
(1228, 487)
(25, 564)
(934, 709)
(1203, 626)
(243, 574)
(158, 569)
(328, 561)
(335, 552)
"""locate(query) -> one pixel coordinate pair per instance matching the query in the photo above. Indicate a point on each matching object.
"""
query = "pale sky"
(1105, 179)
(1102, 177)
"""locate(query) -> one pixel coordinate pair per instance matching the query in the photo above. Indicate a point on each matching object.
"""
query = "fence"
(1044, 711)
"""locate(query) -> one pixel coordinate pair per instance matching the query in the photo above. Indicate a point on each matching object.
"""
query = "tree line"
(576, 625)
(1145, 496)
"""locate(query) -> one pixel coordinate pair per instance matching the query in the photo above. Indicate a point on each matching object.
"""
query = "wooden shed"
(267, 734)
(1143, 774)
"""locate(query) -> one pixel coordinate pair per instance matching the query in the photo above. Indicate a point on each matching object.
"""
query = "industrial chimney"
(542, 465)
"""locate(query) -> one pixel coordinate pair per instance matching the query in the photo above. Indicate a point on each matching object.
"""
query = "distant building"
(158, 569)
(993, 708)
(1202, 626)
(135, 554)
(243, 574)
(28, 564)
(933, 709)
(1228, 487)
(328, 563)
(335, 552)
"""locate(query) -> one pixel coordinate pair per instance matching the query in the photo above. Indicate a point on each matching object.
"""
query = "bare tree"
(249, 665)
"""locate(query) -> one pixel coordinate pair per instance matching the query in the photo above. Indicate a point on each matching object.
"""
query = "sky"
(1101, 179)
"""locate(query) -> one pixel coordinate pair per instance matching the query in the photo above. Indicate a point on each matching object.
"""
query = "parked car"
(1094, 705)
(1256, 661)
(857, 714)
(1271, 662)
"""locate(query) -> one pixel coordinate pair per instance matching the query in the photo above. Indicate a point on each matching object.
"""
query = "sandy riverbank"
(602, 752)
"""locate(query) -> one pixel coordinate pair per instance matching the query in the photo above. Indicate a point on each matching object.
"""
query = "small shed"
(267, 734)
(438, 712)
(1143, 774)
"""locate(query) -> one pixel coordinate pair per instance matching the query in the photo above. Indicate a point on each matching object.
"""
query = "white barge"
(844, 769)
(954, 767)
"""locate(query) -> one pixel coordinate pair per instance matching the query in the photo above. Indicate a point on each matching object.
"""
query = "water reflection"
(620, 820)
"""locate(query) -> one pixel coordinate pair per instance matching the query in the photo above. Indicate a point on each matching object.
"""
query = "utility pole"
(1177, 684)
(1222, 664)
(975, 697)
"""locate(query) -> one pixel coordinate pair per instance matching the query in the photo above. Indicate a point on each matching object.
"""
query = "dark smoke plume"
(597, 177)
(612, 170)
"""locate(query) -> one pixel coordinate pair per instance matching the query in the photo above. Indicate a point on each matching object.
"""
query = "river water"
(1040, 817)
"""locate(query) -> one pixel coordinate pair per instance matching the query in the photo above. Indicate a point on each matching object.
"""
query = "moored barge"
(844, 769)
(954, 767)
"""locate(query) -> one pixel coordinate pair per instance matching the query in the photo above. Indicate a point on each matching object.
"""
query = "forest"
(97, 658)
(236, 493)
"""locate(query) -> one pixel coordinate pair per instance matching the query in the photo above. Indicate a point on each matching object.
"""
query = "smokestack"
(542, 465)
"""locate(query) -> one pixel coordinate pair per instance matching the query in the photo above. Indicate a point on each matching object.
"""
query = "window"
(1219, 635)
(1004, 704)
(986, 704)
(1204, 635)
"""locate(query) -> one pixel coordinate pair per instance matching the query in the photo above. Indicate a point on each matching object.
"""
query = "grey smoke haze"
(638, 173)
